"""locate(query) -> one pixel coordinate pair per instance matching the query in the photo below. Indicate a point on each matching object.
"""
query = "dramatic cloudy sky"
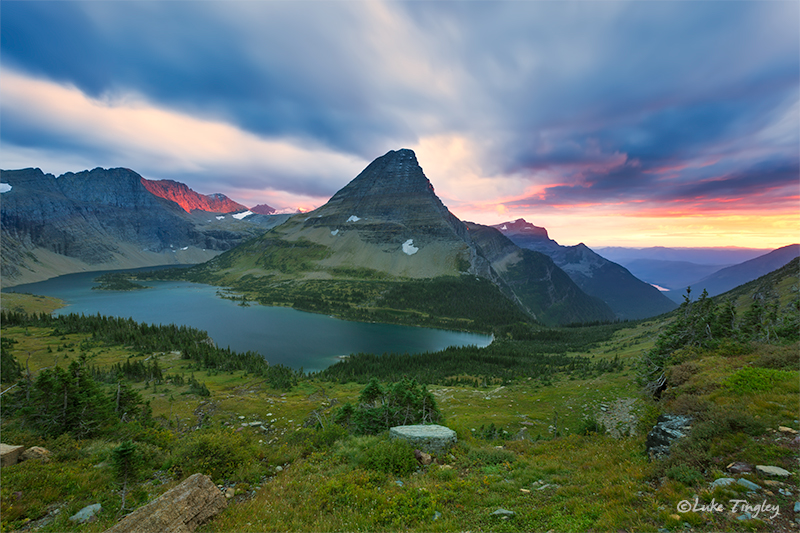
(611, 123)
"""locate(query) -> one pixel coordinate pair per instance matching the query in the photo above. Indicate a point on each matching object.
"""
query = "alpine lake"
(282, 335)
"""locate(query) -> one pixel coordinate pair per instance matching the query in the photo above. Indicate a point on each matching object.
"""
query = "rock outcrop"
(179, 510)
(668, 428)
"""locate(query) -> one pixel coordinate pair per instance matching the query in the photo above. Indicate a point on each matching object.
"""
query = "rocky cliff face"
(190, 200)
(389, 220)
(102, 219)
(628, 297)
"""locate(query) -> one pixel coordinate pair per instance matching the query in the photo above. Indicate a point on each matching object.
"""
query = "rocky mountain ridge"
(190, 200)
(628, 297)
(104, 219)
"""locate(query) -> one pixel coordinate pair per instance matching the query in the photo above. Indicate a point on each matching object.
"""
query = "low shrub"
(685, 474)
(752, 379)
(477, 457)
(218, 453)
(589, 426)
(394, 457)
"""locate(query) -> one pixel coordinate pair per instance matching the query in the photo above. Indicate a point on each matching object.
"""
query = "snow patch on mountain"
(240, 216)
(409, 248)
(335, 232)
(353, 218)
(4, 187)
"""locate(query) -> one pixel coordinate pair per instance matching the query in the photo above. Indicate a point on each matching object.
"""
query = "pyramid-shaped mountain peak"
(393, 200)
(389, 178)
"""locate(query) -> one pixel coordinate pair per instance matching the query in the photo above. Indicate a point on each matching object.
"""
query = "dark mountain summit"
(391, 200)
(628, 297)
(263, 209)
(389, 223)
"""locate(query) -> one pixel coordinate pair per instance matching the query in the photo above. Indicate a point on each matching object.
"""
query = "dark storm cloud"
(283, 72)
(606, 100)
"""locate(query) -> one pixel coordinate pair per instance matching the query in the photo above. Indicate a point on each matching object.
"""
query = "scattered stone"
(429, 438)
(398, 483)
(423, 458)
(526, 491)
(723, 482)
(87, 514)
(230, 493)
(36, 452)
(773, 470)
(278, 469)
(179, 510)
(437, 515)
(739, 467)
(784, 492)
(772, 483)
(785, 429)
(675, 516)
(505, 514)
(667, 429)
(797, 507)
(9, 454)
(745, 516)
(748, 484)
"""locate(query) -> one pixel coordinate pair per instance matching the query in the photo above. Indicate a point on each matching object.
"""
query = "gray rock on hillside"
(179, 510)
(773, 471)
(668, 428)
(87, 514)
(429, 438)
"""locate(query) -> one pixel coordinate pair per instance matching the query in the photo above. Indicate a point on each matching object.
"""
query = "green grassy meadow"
(563, 452)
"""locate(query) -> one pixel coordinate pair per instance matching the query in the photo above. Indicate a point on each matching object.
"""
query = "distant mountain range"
(108, 219)
(730, 277)
(628, 297)
(728, 255)
(714, 269)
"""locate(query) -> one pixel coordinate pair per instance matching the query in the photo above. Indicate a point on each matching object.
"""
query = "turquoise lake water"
(282, 335)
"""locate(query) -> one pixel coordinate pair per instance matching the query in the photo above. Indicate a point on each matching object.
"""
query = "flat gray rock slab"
(773, 470)
(428, 438)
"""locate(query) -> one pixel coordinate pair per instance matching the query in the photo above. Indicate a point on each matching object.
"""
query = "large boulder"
(668, 428)
(179, 510)
(430, 438)
(10, 453)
